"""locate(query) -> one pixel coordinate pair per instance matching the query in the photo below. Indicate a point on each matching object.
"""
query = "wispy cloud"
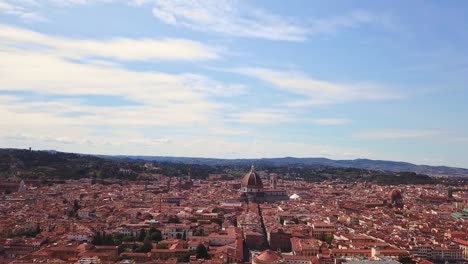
(318, 92)
(331, 121)
(223, 17)
(399, 134)
(353, 19)
(21, 12)
(268, 116)
(115, 48)
(37, 63)
(228, 18)
(232, 18)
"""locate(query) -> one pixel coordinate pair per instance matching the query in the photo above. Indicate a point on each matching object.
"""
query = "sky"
(237, 79)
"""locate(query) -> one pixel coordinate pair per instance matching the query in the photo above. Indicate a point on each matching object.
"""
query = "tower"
(273, 181)
(22, 186)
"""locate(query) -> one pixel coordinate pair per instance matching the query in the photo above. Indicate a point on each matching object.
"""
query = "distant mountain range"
(392, 166)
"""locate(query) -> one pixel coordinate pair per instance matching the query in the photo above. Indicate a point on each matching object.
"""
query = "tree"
(199, 232)
(142, 235)
(406, 260)
(147, 246)
(97, 239)
(328, 239)
(156, 236)
(184, 258)
(173, 219)
(217, 221)
(128, 239)
(162, 246)
(201, 252)
(38, 229)
(76, 205)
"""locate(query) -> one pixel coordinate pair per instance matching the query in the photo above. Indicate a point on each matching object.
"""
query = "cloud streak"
(318, 92)
(231, 18)
(397, 134)
(21, 12)
(227, 18)
(117, 48)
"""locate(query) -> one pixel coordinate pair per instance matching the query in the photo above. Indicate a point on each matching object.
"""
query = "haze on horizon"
(237, 79)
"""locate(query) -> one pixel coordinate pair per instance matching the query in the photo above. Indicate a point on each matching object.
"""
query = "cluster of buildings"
(261, 218)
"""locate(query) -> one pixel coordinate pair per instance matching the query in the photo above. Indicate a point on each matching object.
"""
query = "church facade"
(252, 189)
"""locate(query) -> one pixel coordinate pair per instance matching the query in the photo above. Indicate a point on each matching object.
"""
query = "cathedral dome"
(252, 179)
(268, 257)
(394, 195)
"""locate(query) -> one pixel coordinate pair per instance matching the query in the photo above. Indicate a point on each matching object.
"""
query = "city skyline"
(236, 79)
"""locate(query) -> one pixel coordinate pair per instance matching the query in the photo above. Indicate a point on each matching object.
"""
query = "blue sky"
(237, 79)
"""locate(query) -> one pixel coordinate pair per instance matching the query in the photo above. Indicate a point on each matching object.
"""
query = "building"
(463, 246)
(279, 240)
(252, 189)
(395, 199)
(306, 247)
(268, 257)
(451, 252)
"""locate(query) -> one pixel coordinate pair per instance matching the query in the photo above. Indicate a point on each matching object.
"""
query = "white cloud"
(263, 116)
(273, 116)
(20, 11)
(116, 48)
(353, 19)
(233, 18)
(44, 67)
(318, 92)
(331, 121)
(226, 17)
(392, 134)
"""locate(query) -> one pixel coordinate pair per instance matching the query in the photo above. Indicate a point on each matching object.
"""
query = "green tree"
(199, 232)
(184, 258)
(142, 235)
(38, 229)
(201, 252)
(173, 219)
(76, 205)
(156, 235)
(217, 221)
(162, 246)
(97, 239)
(147, 246)
(128, 239)
(406, 260)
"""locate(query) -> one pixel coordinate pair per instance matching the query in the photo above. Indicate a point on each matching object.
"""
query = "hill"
(53, 165)
(382, 165)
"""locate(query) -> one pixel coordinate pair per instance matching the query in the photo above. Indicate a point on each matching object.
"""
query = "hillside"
(382, 165)
(47, 165)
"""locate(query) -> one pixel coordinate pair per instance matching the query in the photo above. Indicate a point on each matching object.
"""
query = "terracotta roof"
(268, 256)
(461, 241)
(252, 179)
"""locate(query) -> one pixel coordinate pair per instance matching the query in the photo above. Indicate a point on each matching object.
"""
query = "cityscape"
(135, 211)
(233, 131)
